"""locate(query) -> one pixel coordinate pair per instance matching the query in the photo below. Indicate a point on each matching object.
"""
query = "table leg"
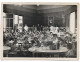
(56, 55)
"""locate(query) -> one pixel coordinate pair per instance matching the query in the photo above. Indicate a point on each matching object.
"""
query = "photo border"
(39, 3)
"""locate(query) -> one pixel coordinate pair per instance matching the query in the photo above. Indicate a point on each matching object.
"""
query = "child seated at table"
(70, 52)
(55, 42)
(35, 42)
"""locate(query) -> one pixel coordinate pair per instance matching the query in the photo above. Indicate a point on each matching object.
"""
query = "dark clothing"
(35, 42)
(38, 28)
(32, 42)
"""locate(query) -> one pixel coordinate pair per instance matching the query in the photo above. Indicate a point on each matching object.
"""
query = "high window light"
(72, 22)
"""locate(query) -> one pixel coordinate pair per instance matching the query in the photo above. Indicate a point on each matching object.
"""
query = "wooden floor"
(31, 54)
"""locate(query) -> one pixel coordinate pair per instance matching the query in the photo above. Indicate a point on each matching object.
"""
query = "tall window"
(11, 20)
(8, 21)
(18, 22)
(15, 19)
(4, 21)
(72, 22)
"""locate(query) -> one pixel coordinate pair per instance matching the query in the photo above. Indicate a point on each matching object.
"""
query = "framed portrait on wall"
(50, 20)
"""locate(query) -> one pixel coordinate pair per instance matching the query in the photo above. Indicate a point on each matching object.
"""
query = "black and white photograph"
(39, 30)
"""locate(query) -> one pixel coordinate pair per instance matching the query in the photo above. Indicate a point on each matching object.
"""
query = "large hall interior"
(39, 30)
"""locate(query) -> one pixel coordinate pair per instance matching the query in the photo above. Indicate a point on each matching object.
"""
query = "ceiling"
(40, 8)
(38, 13)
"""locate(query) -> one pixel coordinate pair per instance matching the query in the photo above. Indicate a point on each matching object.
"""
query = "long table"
(46, 51)
(5, 50)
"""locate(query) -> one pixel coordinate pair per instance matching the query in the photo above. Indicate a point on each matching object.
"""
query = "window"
(72, 22)
(8, 21)
(11, 21)
(18, 22)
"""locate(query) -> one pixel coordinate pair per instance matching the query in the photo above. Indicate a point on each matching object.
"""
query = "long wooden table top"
(47, 50)
(6, 48)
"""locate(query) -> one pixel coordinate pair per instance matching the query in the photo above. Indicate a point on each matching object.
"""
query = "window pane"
(15, 19)
(4, 22)
(20, 17)
(72, 22)
(9, 15)
(4, 14)
(7, 22)
(11, 22)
